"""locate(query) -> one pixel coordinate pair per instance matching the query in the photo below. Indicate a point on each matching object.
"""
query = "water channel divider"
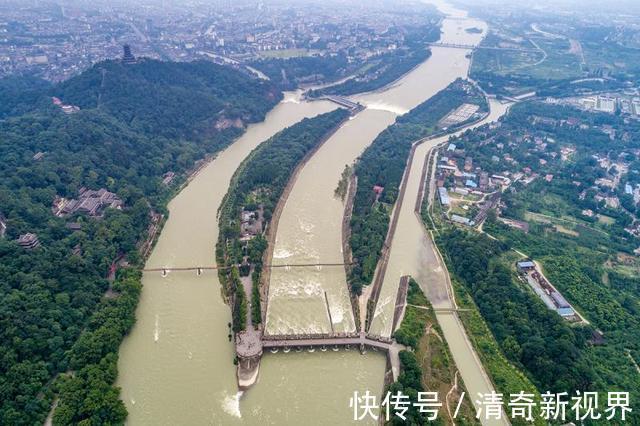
(272, 226)
(381, 268)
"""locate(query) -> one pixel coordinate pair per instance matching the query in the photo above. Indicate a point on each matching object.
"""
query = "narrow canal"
(176, 365)
(413, 253)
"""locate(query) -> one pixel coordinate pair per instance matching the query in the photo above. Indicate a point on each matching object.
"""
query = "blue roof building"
(444, 196)
(526, 264)
(566, 312)
(460, 219)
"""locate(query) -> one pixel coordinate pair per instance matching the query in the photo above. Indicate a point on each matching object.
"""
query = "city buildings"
(55, 42)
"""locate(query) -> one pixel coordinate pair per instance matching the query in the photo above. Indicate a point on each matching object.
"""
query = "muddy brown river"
(176, 365)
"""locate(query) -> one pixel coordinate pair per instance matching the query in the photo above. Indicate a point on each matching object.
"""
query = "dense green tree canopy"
(136, 123)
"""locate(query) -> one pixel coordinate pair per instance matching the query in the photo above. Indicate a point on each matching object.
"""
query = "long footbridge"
(200, 269)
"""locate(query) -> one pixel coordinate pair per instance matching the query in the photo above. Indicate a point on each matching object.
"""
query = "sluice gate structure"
(251, 344)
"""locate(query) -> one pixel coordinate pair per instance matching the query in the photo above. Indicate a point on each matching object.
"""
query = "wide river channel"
(176, 365)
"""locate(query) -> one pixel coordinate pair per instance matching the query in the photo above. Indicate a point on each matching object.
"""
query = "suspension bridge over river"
(199, 269)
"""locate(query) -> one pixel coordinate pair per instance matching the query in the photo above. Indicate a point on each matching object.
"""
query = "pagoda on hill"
(127, 56)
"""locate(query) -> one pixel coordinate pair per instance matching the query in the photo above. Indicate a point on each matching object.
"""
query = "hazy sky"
(630, 6)
(584, 5)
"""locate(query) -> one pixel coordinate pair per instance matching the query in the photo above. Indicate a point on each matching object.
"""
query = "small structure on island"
(249, 352)
(167, 178)
(251, 223)
(28, 241)
(526, 265)
(127, 56)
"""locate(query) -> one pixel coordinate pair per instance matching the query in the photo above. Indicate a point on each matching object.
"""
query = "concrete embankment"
(346, 247)
(384, 255)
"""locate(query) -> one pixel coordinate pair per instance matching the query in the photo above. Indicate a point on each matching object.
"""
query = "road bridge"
(342, 101)
(349, 339)
(472, 47)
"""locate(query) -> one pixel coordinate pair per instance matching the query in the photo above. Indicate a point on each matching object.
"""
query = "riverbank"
(347, 256)
(391, 84)
(372, 297)
(392, 151)
(431, 359)
(392, 69)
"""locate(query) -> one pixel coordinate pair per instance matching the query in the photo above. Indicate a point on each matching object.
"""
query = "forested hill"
(20, 94)
(167, 98)
(58, 312)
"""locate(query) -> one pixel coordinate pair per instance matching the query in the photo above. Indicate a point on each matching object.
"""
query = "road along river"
(176, 365)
